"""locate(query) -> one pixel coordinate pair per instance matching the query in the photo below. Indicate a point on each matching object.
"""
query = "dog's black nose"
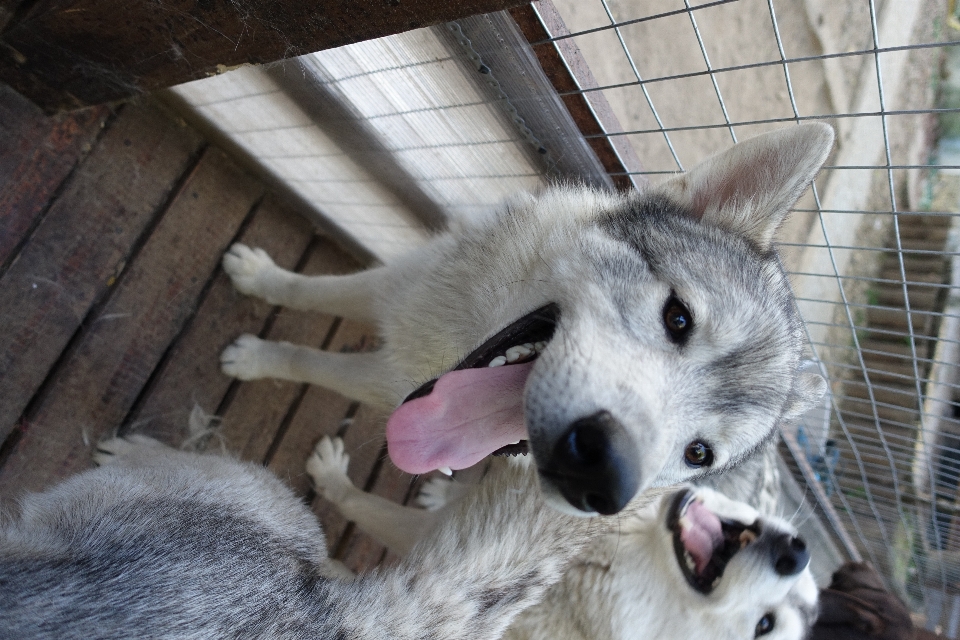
(595, 464)
(789, 555)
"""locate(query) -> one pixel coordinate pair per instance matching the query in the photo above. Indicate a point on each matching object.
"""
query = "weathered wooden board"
(37, 152)
(121, 221)
(65, 54)
(260, 407)
(83, 243)
(102, 375)
(190, 374)
(319, 413)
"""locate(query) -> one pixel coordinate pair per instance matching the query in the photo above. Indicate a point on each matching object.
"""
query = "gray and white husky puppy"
(651, 336)
(690, 563)
(159, 543)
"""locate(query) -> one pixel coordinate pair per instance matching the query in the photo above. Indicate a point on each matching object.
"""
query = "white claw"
(499, 361)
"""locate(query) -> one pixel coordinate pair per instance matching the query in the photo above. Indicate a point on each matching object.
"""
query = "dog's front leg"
(367, 377)
(494, 554)
(254, 273)
(395, 526)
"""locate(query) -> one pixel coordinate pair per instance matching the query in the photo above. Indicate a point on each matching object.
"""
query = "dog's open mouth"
(703, 542)
(476, 408)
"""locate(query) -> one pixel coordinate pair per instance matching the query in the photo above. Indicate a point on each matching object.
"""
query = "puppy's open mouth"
(703, 542)
(476, 408)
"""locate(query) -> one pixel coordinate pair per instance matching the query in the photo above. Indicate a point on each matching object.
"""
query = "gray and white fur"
(613, 263)
(627, 584)
(159, 543)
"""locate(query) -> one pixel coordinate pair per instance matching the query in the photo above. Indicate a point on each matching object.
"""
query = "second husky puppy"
(691, 563)
(159, 543)
(667, 337)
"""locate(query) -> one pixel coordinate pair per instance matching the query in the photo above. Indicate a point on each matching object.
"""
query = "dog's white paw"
(337, 570)
(435, 493)
(327, 467)
(248, 269)
(114, 449)
(244, 358)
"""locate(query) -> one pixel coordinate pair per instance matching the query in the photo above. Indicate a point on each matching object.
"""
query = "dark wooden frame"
(568, 71)
(68, 54)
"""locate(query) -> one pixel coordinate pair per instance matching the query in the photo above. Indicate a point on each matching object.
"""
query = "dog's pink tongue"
(700, 534)
(469, 414)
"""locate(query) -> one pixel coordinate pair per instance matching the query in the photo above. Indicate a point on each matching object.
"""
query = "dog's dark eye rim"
(698, 454)
(677, 319)
(765, 625)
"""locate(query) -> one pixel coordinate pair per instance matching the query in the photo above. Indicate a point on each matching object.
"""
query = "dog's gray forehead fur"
(686, 254)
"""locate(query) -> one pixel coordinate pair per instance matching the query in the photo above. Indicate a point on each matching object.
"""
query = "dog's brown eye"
(677, 319)
(765, 625)
(697, 454)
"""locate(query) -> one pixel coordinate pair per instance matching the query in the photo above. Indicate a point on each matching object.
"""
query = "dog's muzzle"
(595, 465)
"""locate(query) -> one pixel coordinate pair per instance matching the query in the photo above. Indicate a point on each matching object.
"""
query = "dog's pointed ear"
(750, 188)
(807, 392)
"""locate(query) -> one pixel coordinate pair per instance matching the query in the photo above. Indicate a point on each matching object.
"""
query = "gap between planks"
(140, 347)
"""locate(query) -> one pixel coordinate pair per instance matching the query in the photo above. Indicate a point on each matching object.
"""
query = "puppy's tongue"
(700, 534)
(469, 414)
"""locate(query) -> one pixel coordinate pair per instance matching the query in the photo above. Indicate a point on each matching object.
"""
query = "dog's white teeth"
(691, 564)
(539, 346)
(714, 584)
(518, 352)
(447, 471)
(746, 537)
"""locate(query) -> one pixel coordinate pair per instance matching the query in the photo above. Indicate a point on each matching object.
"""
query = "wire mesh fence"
(872, 256)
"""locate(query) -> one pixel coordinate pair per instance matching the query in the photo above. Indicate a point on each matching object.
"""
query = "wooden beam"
(65, 54)
(563, 63)
(37, 154)
(7, 9)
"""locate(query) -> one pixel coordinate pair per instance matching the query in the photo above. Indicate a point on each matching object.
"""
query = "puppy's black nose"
(596, 465)
(789, 555)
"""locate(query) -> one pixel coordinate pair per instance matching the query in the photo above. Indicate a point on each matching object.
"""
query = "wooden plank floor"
(114, 307)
